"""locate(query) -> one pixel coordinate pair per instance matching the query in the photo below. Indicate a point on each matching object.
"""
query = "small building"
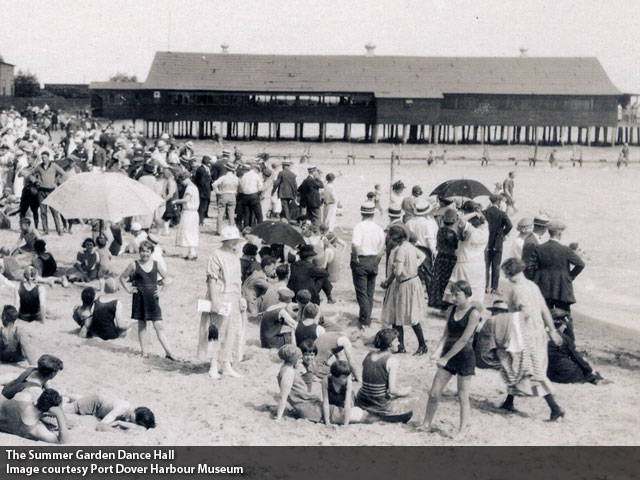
(6, 79)
(408, 99)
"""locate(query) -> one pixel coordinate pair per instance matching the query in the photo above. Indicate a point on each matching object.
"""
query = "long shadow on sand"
(183, 367)
(487, 406)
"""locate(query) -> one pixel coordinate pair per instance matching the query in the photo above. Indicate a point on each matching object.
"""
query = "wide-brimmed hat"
(307, 251)
(230, 166)
(424, 208)
(230, 233)
(499, 305)
(394, 212)
(136, 227)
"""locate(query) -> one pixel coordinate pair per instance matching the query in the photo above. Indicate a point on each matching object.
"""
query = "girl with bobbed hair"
(455, 355)
(380, 395)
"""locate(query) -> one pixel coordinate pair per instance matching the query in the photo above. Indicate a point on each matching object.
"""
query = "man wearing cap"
(202, 179)
(367, 246)
(47, 173)
(226, 188)
(287, 186)
(309, 191)
(499, 228)
(305, 275)
(525, 228)
(550, 268)
(410, 202)
(424, 227)
(251, 185)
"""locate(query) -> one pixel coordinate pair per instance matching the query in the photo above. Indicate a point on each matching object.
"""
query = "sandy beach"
(598, 203)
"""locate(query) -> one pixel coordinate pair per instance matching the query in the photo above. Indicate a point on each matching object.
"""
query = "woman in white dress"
(188, 230)
(470, 266)
(223, 329)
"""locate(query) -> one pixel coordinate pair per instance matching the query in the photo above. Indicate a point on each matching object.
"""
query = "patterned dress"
(525, 297)
(447, 241)
(224, 269)
(404, 299)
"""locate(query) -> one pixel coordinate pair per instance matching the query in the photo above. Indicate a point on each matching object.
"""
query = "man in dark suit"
(202, 179)
(499, 228)
(535, 238)
(309, 191)
(287, 187)
(305, 275)
(550, 265)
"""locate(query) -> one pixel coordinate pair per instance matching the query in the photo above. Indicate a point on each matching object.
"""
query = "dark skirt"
(145, 305)
(443, 267)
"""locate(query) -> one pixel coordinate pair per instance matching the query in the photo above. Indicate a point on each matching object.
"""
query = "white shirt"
(368, 238)
(251, 182)
(426, 231)
(227, 183)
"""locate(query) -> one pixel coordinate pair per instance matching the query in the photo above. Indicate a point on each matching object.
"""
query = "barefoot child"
(456, 355)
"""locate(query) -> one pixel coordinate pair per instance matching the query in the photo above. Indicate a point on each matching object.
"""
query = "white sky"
(78, 41)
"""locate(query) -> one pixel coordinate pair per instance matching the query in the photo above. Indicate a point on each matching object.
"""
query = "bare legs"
(439, 383)
(159, 327)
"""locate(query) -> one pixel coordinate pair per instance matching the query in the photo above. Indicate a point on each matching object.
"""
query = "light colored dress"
(470, 265)
(188, 234)
(525, 297)
(404, 300)
(223, 267)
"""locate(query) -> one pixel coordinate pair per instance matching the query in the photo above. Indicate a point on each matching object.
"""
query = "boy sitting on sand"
(14, 344)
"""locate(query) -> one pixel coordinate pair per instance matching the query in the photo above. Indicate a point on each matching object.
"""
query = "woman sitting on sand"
(24, 419)
(101, 317)
(380, 394)
(338, 396)
(29, 235)
(112, 413)
(294, 391)
(31, 297)
(87, 263)
(15, 346)
(455, 355)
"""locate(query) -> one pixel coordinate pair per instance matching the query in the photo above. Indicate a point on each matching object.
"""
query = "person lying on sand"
(113, 413)
(25, 419)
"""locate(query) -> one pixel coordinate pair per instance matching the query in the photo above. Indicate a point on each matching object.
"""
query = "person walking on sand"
(455, 356)
(507, 187)
(188, 234)
(141, 279)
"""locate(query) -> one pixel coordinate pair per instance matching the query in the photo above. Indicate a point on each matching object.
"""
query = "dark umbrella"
(461, 188)
(278, 232)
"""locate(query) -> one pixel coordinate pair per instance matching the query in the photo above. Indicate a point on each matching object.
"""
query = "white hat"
(161, 143)
(165, 136)
(230, 233)
(136, 227)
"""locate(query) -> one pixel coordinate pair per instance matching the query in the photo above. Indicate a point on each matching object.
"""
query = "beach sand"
(599, 205)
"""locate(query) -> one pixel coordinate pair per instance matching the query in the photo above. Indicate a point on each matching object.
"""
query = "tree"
(26, 84)
(123, 77)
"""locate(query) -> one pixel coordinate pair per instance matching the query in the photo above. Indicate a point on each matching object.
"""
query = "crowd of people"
(443, 254)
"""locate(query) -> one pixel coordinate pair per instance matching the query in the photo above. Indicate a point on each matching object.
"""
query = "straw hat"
(368, 208)
(499, 305)
(394, 212)
(424, 208)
